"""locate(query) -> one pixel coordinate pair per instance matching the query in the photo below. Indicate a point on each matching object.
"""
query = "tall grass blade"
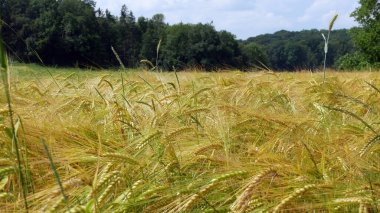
(123, 69)
(355, 100)
(54, 168)
(4, 71)
(352, 115)
(373, 87)
(320, 175)
(150, 85)
(118, 58)
(100, 94)
(158, 51)
(28, 176)
(368, 146)
(176, 76)
(146, 61)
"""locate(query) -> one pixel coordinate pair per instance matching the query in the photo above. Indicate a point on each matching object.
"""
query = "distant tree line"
(75, 33)
(286, 50)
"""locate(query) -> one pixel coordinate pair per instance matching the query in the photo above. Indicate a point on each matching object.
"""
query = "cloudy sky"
(244, 18)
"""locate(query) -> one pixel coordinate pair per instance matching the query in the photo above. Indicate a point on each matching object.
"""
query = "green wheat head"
(331, 25)
(332, 22)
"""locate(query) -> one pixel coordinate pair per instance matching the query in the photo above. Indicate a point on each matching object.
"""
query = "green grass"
(192, 141)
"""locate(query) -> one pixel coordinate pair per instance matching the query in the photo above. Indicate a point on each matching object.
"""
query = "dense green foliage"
(366, 37)
(301, 50)
(353, 61)
(75, 33)
(199, 45)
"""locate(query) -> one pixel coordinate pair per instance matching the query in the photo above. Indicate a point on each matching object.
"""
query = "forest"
(75, 33)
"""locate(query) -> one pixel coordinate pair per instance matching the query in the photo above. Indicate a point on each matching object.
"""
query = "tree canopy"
(76, 33)
(285, 50)
(367, 37)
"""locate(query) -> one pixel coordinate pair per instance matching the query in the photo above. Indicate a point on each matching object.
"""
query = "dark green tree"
(15, 26)
(254, 55)
(205, 42)
(367, 37)
(80, 31)
(44, 41)
(200, 45)
(108, 28)
(296, 56)
(176, 51)
(230, 54)
(352, 61)
(153, 32)
(129, 38)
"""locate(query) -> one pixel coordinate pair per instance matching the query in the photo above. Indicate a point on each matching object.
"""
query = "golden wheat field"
(139, 141)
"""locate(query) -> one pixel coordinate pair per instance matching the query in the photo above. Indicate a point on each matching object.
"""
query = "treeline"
(75, 33)
(286, 50)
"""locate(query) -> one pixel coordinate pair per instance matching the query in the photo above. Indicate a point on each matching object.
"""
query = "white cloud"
(320, 13)
(244, 18)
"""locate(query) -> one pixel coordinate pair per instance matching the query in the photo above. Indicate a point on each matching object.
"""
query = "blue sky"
(244, 18)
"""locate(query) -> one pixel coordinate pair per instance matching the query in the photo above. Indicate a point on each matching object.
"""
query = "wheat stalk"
(104, 181)
(148, 139)
(213, 146)
(196, 111)
(348, 200)
(106, 192)
(207, 189)
(242, 202)
(327, 44)
(368, 146)
(177, 132)
(150, 192)
(292, 196)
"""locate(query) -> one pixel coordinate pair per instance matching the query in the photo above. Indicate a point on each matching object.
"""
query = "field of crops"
(142, 141)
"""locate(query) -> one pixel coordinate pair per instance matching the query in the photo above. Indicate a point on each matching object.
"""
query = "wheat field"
(138, 141)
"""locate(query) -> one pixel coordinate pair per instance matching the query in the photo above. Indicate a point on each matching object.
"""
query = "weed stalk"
(5, 78)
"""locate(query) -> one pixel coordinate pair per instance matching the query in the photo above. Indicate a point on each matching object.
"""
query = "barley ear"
(333, 21)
